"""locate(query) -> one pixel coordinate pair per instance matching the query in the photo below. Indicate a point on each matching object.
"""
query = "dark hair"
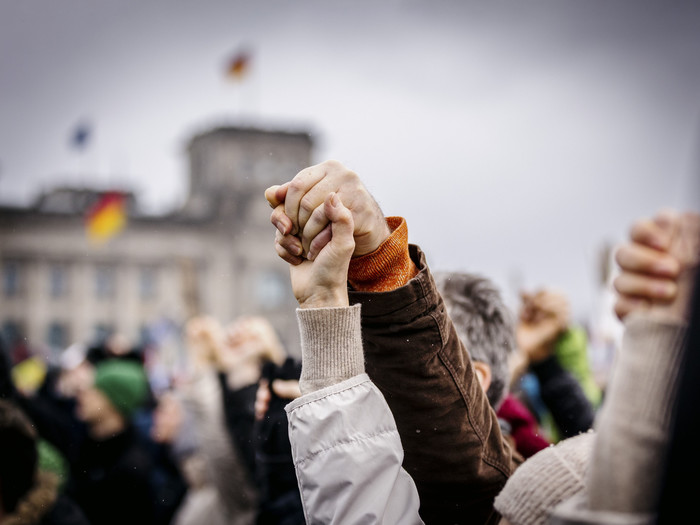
(483, 322)
(18, 455)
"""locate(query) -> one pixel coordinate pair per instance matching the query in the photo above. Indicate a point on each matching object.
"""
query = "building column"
(37, 290)
(82, 297)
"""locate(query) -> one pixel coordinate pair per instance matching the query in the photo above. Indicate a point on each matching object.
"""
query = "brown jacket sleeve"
(454, 449)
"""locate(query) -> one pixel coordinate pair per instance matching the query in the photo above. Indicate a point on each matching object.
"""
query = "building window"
(11, 278)
(58, 281)
(148, 283)
(57, 336)
(14, 341)
(271, 289)
(105, 281)
(11, 332)
(102, 332)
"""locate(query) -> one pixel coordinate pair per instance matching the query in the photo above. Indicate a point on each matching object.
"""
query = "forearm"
(350, 472)
(634, 421)
(352, 469)
(453, 445)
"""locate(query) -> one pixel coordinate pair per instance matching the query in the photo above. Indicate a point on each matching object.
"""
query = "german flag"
(238, 65)
(107, 217)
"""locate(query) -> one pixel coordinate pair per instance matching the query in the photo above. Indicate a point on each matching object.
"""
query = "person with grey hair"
(486, 326)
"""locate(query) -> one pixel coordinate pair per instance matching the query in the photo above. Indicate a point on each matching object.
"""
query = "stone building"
(214, 255)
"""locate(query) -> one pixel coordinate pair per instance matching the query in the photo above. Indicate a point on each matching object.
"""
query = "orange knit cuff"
(389, 266)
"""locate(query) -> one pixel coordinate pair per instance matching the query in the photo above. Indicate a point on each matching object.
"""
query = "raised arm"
(634, 422)
(659, 265)
(346, 448)
(454, 448)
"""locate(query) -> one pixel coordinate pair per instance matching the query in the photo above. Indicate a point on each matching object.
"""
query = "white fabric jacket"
(348, 454)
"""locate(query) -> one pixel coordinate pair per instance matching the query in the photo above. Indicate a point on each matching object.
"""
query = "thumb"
(342, 225)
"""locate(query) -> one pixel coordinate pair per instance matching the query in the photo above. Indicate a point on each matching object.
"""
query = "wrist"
(331, 346)
(679, 308)
(325, 299)
(371, 241)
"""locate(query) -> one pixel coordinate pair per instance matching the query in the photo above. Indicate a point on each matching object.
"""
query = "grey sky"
(515, 136)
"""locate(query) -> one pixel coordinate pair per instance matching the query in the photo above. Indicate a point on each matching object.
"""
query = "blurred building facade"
(214, 255)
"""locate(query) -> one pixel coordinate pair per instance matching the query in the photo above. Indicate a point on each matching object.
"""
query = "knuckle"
(307, 204)
(620, 255)
(297, 184)
(275, 215)
(331, 165)
(354, 179)
(618, 283)
(639, 230)
(317, 215)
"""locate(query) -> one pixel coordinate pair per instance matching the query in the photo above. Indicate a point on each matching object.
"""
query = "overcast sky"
(515, 136)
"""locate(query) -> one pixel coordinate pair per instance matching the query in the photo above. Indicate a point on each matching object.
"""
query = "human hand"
(536, 340)
(658, 264)
(545, 303)
(204, 339)
(284, 388)
(299, 212)
(323, 281)
(543, 316)
(251, 338)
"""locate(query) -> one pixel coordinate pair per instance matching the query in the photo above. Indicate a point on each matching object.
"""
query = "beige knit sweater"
(612, 475)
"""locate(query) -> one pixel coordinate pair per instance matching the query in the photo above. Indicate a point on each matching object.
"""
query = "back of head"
(483, 322)
(18, 455)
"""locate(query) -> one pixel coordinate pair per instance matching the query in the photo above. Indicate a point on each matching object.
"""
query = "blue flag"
(80, 136)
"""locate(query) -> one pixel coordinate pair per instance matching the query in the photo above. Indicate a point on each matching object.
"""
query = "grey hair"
(484, 324)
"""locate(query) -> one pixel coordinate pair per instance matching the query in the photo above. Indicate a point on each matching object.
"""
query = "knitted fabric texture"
(545, 480)
(388, 267)
(634, 422)
(124, 383)
(331, 346)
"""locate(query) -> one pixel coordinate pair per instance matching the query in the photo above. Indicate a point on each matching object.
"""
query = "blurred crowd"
(252, 436)
(117, 450)
(212, 447)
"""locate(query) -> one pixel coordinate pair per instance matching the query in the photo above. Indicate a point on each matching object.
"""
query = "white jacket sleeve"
(345, 445)
(347, 454)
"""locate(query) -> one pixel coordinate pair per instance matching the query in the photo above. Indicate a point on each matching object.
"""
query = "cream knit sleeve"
(634, 422)
(331, 346)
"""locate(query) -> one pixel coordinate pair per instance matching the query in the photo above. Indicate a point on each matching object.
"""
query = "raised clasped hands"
(323, 282)
(658, 265)
(303, 228)
(320, 214)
